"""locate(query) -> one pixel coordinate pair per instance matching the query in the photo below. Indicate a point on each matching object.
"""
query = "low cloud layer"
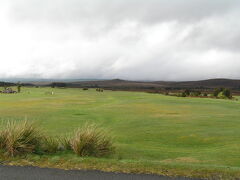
(128, 39)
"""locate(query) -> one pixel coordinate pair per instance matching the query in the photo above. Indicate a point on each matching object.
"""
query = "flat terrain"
(34, 173)
(149, 129)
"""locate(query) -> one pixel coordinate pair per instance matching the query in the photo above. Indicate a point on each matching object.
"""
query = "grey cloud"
(119, 10)
(130, 39)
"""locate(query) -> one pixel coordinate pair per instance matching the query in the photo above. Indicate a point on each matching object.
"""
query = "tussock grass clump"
(19, 138)
(2, 140)
(65, 143)
(91, 141)
(50, 145)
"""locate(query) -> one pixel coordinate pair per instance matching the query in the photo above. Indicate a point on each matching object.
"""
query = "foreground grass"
(69, 162)
(23, 137)
(153, 133)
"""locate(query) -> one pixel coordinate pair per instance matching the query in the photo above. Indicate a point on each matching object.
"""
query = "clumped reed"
(50, 145)
(19, 138)
(22, 137)
(91, 140)
(65, 143)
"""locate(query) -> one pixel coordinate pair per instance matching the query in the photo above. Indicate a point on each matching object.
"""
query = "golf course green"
(148, 128)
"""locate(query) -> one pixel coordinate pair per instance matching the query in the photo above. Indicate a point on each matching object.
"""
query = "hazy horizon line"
(99, 79)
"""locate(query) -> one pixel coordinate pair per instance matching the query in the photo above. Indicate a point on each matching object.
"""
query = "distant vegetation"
(99, 90)
(221, 93)
(58, 84)
(206, 87)
(19, 87)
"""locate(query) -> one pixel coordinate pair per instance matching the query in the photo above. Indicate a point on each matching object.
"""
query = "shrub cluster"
(222, 93)
(188, 93)
(99, 90)
(191, 93)
(19, 138)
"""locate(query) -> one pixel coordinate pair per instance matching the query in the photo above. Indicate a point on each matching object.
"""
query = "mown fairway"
(147, 127)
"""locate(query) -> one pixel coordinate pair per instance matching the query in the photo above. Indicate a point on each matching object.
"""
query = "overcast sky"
(127, 39)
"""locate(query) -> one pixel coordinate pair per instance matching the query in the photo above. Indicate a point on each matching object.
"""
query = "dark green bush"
(222, 93)
(187, 92)
(205, 94)
(227, 93)
(183, 94)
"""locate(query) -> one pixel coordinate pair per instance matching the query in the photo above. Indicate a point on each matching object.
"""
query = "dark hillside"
(118, 84)
(211, 83)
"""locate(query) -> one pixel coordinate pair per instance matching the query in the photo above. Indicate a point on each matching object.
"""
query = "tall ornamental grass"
(91, 141)
(19, 138)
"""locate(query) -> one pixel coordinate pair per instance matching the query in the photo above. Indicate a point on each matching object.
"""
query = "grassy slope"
(148, 128)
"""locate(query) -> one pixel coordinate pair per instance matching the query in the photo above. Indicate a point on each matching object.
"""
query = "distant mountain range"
(137, 85)
(124, 84)
(23, 80)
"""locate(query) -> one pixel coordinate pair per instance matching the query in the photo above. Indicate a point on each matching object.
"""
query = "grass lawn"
(153, 133)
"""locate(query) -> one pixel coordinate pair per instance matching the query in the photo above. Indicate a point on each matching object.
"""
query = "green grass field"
(148, 128)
